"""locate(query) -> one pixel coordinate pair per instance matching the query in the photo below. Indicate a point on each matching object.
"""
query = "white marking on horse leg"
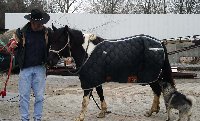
(155, 106)
(84, 108)
(168, 114)
(189, 114)
(103, 109)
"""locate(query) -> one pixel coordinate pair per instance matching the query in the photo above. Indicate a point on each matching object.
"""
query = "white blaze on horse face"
(88, 45)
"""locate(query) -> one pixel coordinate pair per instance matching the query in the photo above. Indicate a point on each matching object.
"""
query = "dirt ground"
(127, 102)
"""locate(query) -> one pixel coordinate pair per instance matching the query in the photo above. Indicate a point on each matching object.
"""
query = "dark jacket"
(20, 36)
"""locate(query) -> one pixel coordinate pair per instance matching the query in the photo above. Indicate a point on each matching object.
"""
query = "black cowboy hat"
(38, 16)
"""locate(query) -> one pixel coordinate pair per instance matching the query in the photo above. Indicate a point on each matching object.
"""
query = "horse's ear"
(66, 28)
(53, 27)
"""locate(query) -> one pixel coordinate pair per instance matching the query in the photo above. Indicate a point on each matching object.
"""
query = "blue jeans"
(35, 78)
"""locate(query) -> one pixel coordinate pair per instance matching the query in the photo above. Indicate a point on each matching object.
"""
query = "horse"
(107, 61)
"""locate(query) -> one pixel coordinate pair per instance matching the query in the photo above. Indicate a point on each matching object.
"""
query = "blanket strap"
(95, 102)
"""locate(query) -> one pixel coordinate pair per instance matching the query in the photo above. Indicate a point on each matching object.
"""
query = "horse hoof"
(158, 109)
(79, 119)
(107, 112)
(102, 114)
(148, 114)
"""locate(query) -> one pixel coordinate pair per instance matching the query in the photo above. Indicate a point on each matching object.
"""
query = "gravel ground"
(127, 102)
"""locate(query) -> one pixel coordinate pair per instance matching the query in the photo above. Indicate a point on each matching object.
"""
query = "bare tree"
(197, 7)
(64, 6)
(32, 4)
(2, 16)
(18, 6)
(185, 6)
(11, 6)
(128, 6)
(190, 6)
(151, 6)
(107, 6)
(164, 6)
(14, 6)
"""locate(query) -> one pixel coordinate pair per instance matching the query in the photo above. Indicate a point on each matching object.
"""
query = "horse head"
(59, 45)
(66, 42)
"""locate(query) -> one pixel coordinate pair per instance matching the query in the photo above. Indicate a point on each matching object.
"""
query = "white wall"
(112, 26)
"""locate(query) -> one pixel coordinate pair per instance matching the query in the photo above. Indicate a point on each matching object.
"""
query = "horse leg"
(155, 105)
(84, 105)
(99, 90)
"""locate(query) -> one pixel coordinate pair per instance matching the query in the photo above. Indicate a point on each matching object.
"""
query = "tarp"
(4, 54)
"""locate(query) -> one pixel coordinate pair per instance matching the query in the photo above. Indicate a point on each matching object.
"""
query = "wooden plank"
(183, 75)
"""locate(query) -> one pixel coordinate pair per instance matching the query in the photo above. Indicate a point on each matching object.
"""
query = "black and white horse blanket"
(141, 55)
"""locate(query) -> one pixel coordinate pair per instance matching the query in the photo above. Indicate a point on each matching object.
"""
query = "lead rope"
(3, 92)
(91, 95)
(70, 53)
(83, 62)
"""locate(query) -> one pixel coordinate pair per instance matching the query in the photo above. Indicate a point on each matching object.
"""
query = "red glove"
(3, 93)
(12, 44)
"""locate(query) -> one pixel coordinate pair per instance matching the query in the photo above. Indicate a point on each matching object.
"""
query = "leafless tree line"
(18, 6)
(145, 6)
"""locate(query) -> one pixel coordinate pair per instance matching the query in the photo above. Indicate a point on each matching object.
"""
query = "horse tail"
(166, 69)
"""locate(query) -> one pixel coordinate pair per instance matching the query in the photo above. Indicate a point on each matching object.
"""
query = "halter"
(83, 62)
(58, 51)
(70, 55)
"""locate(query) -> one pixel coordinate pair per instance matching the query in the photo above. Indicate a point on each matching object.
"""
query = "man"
(31, 45)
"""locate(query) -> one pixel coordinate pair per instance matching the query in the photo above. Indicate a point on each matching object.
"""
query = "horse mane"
(94, 39)
(76, 36)
(98, 40)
